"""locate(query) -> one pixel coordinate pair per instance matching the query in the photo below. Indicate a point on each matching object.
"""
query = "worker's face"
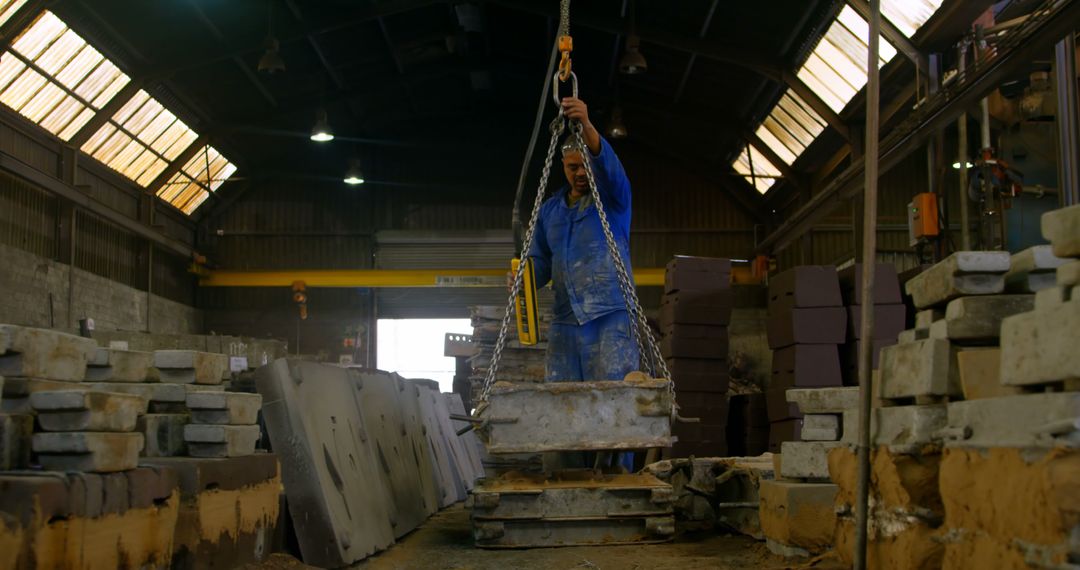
(574, 168)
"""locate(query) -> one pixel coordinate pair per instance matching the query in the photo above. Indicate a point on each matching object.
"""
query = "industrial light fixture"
(271, 61)
(617, 128)
(632, 62)
(956, 165)
(353, 176)
(321, 132)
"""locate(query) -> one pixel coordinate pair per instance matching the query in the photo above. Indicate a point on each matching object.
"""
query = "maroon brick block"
(806, 366)
(697, 307)
(804, 286)
(697, 449)
(777, 406)
(693, 263)
(889, 320)
(886, 285)
(849, 359)
(689, 347)
(747, 411)
(688, 433)
(787, 430)
(823, 325)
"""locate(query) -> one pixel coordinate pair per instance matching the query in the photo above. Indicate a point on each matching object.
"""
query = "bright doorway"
(414, 348)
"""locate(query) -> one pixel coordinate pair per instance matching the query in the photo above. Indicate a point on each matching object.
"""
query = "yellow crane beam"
(643, 277)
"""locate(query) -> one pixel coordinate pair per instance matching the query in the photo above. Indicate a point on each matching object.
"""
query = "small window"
(53, 77)
(8, 9)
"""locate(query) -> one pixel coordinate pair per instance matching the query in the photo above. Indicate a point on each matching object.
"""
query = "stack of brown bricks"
(890, 315)
(694, 316)
(806, 325)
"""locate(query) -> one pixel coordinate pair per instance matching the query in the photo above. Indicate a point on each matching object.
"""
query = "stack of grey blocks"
(87, 430)
(829, 421)
(34, 360)
(223, 424)
(961, 304)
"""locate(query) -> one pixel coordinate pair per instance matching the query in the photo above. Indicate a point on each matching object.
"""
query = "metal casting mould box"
(577, 416)
(570, 494)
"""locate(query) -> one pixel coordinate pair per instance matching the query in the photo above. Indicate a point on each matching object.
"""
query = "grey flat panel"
(474, 450)
(451, 487)
(430, 476)
(467, 473)
(340, 507)
(399, 460)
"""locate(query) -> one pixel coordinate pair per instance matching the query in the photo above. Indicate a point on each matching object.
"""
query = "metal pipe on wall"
(1067, 121)
(866, 326)
(962, 158)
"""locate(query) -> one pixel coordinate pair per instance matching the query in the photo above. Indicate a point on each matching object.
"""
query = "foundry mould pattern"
(577, 416)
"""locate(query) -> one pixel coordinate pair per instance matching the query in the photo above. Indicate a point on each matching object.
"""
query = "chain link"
(557, 127)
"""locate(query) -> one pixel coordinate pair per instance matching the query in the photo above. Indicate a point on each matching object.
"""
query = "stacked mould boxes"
(519, 363)
(807, 323)
(694, 316)
(890, 315)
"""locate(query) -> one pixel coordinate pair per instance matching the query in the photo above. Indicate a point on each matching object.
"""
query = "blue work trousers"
(601, 349)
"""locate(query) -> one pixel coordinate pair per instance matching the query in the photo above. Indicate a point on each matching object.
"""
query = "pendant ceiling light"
(321, 132)
(353, 176)
(271, 61)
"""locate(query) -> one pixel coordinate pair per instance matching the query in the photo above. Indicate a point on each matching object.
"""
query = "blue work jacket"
(570, 251)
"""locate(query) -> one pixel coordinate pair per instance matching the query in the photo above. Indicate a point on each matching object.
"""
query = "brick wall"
(35, 291)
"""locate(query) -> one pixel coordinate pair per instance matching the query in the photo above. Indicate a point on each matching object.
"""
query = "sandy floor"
(445, 542)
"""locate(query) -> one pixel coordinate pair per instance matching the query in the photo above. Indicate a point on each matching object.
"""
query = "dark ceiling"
(441, 82)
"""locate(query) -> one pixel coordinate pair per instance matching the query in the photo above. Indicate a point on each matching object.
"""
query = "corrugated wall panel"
(106, 250)
(29, 150)
(27, 217)
(300, 252)
(107, 193)
(292, 207)
(171, 278)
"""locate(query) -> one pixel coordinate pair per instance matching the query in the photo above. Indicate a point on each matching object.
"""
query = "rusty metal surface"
(571, 416)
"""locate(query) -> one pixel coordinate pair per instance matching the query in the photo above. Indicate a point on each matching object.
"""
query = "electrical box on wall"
(923, 217)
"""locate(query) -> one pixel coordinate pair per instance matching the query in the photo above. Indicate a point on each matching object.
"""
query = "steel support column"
(1067, 120)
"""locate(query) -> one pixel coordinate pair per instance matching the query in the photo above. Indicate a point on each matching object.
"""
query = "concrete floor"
(445, 542)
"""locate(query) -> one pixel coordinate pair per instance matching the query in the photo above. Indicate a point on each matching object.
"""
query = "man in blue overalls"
(590, 337)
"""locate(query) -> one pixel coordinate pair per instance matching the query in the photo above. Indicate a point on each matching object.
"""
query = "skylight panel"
(758, 171)
(191, 186)
(8, 9)
(836, 69)
(909, 15)
(141, 139)
(54, 78)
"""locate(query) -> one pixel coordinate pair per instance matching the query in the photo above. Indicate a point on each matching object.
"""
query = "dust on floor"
(444, 542)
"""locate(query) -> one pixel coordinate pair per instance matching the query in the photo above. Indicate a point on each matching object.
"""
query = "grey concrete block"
(23, 387)
(164, 434)
(15, 433)
(224, 408)
(81, 410)
(45, 354)
(920, 368)
(806, 459)
(912, 335)
(850, 425)
(1061, 228)
(20, 405)
(1032, 270)
(978, 319)
(824, 400)
(962, 273)
(1069, 274)
(1051, 298)
(821, 427)
(220, 440)
(907, 429)
(927, 317)
(1040, 347)
(98, 452)
(1038, 421)
(152, 392)
(111, 365)
(190, 366)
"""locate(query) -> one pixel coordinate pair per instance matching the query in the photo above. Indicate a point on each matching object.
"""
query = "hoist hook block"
(566, 45)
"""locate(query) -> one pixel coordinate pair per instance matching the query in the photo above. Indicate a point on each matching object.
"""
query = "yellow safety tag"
(528, 316)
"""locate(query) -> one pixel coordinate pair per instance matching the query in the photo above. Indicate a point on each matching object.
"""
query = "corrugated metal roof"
(758, 171)
(191, 186)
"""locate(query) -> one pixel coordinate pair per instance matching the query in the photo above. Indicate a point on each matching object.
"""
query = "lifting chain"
(651, 360)
(566, 43)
